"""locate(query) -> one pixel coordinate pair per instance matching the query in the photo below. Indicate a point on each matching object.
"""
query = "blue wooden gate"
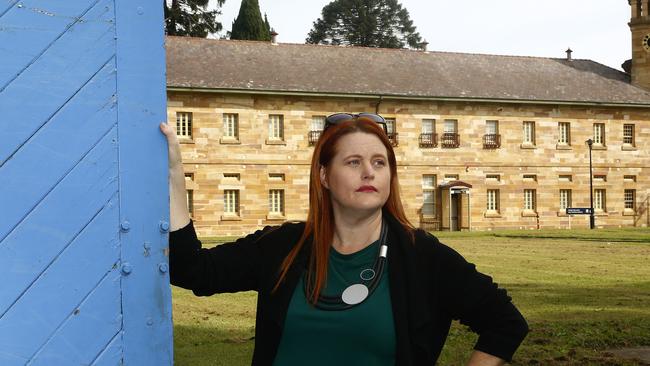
(83, 184)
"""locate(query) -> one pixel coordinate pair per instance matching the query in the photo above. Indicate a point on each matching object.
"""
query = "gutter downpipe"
(378, 103)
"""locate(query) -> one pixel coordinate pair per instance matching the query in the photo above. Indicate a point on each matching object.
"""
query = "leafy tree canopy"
(191, 18)
(369, 23)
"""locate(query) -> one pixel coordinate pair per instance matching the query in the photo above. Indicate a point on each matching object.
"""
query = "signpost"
(578, 211)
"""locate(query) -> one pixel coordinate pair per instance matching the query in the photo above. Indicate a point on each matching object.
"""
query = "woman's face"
(358, 177)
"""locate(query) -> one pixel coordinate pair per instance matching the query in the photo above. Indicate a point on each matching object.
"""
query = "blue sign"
(578, 211)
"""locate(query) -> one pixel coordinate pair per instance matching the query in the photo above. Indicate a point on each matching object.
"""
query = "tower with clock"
(640, 28)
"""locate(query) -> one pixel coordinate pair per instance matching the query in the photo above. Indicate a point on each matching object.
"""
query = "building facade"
(482, 142)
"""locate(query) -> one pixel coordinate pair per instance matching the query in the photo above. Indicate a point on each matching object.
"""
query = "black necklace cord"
(336, 303)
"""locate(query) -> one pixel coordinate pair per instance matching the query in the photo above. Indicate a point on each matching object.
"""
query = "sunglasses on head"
(336, 118)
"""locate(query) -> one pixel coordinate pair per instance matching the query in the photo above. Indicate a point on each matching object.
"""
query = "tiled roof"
(263, 66)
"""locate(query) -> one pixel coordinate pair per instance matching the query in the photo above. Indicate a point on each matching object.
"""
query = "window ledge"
(629, 212)
(230, 217)
(598, 147)
(628, 148)
(492, 214)
(275, 142)
(229, 141)
(185, 140)
(562, 214)
(528, 213)
(601, 213)
(563, 147)
(275, 217)
(527, 146)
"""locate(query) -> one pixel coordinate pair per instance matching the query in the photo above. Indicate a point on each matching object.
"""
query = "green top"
(361, 335)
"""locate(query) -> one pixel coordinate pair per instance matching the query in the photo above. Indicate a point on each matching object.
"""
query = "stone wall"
(208, 156)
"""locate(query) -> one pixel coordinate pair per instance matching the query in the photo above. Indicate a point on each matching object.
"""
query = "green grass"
(583, 292)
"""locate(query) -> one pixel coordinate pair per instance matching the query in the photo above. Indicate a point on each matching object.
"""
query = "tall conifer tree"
(249, 24)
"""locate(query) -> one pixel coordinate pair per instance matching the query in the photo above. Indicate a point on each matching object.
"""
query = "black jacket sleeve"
(474, 299)
(230, 267)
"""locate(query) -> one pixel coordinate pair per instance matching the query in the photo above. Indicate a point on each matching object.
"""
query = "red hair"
(320, 219)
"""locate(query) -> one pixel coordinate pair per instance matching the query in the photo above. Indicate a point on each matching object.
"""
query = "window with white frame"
(530, 199)
(599, 134)
(491, 127)
(564, 133)
(629, 198)
(493, 200)
(529, 133)
(429, 194)
(276, 127)
(231, 201)
(428, 126)
(600, 200)
(184, 124)
(276, 201)
(390, 126)
(317, 123)
(231, 125)
(628, 134)
(451, 126)
(565, 199)
(190, 201)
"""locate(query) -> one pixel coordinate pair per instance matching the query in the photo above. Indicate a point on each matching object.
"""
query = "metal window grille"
(231, 125)
(184, 124)
(276, 127)
(629, 197)
(231, 201)
(276, 201)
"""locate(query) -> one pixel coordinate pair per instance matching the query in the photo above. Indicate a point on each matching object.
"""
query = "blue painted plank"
(27, 250)
(64, 141)
(29, 28)
(99, 316)
(55, 77)
(6, 6)
(64, 285)
(146, 297)
(112, 355)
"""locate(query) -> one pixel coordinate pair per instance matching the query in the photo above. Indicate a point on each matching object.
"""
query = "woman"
(356, 284)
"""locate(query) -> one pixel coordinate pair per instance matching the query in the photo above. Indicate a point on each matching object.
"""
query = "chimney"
(274, 36)
(568, 54)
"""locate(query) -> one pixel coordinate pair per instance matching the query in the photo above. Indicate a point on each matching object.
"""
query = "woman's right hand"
(179, 215)
(173, 147)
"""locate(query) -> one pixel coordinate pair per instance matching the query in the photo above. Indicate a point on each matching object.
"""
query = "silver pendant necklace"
(356, 293)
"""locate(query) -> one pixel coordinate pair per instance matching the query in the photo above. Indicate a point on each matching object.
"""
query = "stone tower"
(640, 28)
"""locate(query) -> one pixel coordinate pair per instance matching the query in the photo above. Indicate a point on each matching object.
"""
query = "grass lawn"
(583, 292)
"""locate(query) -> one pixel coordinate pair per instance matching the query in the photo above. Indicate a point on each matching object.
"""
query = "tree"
(191, 18)
(370, 23)
(249, 23)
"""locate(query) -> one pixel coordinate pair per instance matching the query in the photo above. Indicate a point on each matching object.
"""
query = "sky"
(593, 29)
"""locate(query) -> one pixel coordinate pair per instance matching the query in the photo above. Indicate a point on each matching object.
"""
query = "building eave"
(406, 97)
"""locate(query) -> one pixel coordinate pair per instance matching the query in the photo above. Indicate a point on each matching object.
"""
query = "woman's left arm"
(474, 299)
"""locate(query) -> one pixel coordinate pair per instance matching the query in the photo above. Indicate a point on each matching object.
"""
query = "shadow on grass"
(616, 239)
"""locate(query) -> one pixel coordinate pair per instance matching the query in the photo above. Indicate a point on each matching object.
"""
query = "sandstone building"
(482, 141)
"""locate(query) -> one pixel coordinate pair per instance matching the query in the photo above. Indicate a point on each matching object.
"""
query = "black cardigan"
(430, 284)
